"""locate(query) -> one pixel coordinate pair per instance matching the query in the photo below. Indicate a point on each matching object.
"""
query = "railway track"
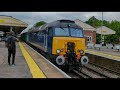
(92, 70)
(95, 71)
(81, 74)
(89, 73)
(102, 70)
(105, 68)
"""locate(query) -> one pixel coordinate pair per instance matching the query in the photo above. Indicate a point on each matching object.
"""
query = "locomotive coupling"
(84, 60)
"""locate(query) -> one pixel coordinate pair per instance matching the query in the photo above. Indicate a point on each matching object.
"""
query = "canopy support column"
(11, 28)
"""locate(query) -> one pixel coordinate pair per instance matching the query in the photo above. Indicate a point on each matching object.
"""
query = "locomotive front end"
(68, 44)
(70, 51)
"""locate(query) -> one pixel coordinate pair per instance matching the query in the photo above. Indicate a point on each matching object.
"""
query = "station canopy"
(85, 26)
(105, 30)
(8, 22)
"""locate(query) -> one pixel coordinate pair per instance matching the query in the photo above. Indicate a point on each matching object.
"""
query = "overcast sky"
(32, 17)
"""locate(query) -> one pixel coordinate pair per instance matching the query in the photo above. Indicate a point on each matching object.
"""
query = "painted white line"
(67, 76)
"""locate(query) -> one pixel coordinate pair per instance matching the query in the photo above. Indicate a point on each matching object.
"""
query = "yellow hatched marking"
(34, 69)
(103, 54)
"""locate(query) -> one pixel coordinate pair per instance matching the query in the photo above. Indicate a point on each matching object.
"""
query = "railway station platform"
(108, 58)
(104, 52)
(28, 64)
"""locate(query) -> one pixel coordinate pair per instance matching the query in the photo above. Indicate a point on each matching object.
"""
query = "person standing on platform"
(11, 45)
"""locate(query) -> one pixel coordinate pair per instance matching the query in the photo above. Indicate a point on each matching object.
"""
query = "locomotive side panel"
(37, 39)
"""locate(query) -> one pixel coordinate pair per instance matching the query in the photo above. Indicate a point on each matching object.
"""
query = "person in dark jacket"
(11, 45)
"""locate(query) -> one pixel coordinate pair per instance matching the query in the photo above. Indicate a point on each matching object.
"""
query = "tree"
(94, 22)
(98, 38)
(39, 23)
(115, 25)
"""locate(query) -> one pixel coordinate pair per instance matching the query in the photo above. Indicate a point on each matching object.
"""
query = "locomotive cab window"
(72, 32)
(76, 32)
(61, 31)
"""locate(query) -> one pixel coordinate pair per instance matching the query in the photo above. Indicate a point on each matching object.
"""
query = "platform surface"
(20, 70)
(104, 52)
(48, 70)
(28, 64)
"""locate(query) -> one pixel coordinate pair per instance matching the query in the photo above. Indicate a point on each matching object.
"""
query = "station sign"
(104, 31)
(1, 21)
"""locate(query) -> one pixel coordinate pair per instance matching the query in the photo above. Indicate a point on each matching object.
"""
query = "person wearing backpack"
(11, 45)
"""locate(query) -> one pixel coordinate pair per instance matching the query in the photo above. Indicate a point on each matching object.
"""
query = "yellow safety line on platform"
(103, 54)
(34, 69)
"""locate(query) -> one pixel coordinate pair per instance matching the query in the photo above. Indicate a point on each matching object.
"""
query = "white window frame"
(89, 39)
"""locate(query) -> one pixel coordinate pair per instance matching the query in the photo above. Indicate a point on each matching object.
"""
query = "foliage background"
(114, 24)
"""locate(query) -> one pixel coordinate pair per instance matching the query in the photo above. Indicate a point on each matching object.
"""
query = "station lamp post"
(101, 29)
(11, 28)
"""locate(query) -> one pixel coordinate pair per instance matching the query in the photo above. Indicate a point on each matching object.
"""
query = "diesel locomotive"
(62, 41)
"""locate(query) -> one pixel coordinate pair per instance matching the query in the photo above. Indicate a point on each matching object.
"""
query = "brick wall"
(91, 33)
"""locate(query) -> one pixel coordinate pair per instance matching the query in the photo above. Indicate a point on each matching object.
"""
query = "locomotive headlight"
(81, 51)
(58, 51)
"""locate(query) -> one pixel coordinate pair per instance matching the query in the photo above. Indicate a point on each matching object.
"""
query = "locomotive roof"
(60, 23)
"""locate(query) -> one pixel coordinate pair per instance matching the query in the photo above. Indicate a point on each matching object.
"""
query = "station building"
(90, 32)
(8, 23)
